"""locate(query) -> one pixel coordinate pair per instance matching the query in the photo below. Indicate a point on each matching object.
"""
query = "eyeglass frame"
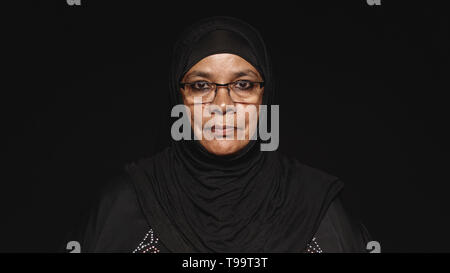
(217, 85)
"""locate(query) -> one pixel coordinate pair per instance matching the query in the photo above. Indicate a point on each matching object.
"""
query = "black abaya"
(117, 224)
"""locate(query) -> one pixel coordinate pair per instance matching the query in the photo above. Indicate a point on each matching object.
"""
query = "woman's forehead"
(230, 64)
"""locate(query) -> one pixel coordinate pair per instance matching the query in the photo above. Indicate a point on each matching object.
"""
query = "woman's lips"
(223, 130)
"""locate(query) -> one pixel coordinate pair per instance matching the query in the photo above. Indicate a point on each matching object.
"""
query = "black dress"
(117, 224)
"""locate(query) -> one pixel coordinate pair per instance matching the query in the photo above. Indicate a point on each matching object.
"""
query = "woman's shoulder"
(309, 182)
(114, 222)
(293, 165)
(340, 232)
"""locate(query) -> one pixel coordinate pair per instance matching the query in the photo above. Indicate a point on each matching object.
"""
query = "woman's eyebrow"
(202, 74)
(245, 73)
(197, 73)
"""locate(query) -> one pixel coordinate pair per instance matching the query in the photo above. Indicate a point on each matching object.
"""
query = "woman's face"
(231, 132)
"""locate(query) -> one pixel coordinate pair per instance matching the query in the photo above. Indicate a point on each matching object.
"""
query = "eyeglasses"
(242, 91)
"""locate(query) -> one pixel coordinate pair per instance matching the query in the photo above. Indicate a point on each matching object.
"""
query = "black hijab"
(251, 201)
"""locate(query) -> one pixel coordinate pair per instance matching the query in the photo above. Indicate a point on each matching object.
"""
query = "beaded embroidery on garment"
(150, 245)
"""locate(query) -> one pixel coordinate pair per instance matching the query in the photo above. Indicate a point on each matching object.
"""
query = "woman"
(214, 194)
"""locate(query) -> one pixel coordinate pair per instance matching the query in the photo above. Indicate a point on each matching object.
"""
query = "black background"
(361, 88)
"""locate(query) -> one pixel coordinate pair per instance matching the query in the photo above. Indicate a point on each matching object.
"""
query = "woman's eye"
(244, 85)
(202, 85)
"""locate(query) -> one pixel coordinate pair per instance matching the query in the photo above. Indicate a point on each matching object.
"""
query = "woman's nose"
(223, 98)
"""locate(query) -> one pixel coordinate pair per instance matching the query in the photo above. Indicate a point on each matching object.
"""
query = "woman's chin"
(224, 147)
